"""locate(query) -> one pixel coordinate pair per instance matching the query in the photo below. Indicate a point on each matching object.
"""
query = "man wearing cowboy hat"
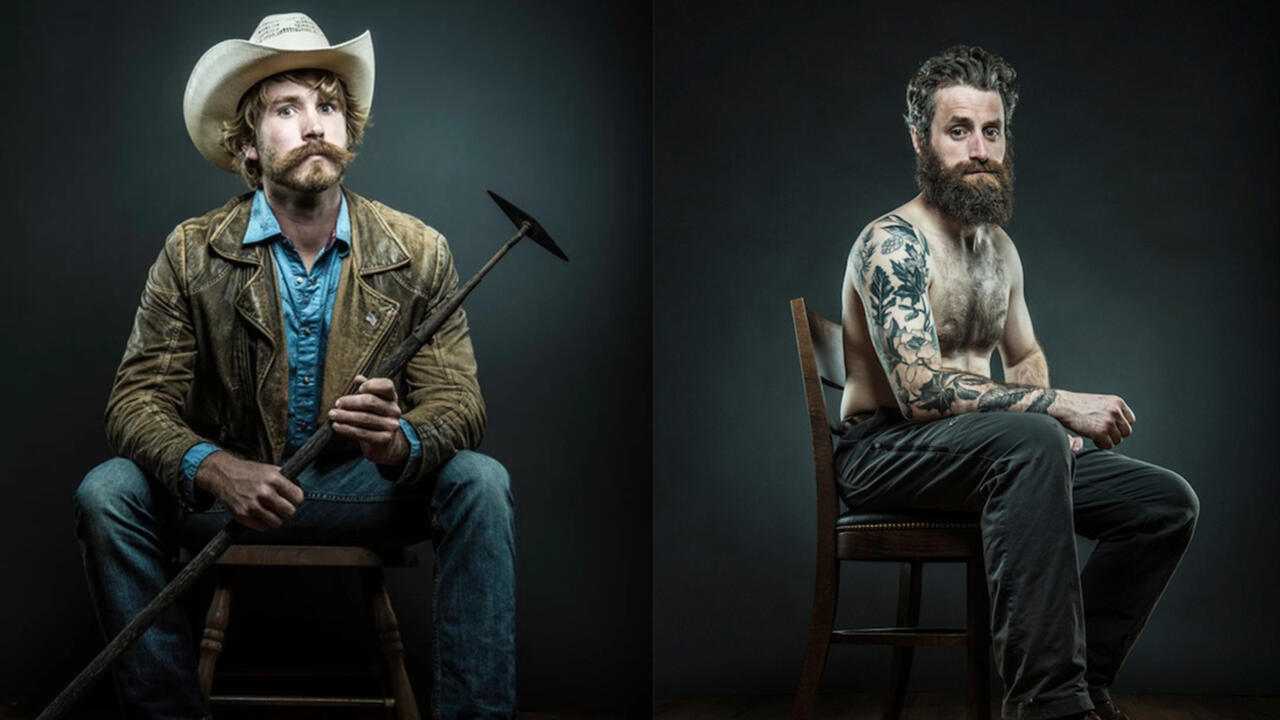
(252, 322)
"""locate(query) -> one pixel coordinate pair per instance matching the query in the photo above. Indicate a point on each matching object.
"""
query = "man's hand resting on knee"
(1104, 419)
(256, 494)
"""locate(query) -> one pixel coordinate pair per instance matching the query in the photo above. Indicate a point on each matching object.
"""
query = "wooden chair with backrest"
(398, 699)
(908, 537)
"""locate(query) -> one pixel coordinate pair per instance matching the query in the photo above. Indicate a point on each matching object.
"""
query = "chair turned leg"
(979, 647)
(826, 587)
(909, 580)
(384, 620)
(215, 629)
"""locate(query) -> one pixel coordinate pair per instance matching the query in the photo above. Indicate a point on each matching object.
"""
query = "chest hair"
(970, 299)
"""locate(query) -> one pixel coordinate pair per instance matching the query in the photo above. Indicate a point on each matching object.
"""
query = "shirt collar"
(264, 226)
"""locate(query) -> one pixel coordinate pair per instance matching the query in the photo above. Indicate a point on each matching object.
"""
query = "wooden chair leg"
(825, 592)
(215, 629)
(909, 581)
(384, 620)
(979, 648)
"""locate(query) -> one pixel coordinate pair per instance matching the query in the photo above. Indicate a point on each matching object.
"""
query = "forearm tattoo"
(1042, 402)
(1004, 397)
(904, 336)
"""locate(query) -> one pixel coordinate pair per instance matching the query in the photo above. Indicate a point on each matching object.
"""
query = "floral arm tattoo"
(891, 262)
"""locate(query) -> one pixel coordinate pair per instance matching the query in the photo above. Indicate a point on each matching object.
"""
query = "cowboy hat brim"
(228, 69)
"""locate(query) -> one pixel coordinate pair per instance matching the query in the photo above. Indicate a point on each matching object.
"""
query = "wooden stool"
(370, 563)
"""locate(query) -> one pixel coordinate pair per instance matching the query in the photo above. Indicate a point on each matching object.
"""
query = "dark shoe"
(1109, 711)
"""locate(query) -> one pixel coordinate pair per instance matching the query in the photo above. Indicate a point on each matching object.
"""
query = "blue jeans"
(130, 527)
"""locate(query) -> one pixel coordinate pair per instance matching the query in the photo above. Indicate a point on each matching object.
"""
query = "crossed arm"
(891, 269)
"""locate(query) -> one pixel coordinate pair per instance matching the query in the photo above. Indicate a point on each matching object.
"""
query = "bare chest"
(969, 296)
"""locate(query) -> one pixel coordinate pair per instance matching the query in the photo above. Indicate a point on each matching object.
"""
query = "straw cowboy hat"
(290, 41)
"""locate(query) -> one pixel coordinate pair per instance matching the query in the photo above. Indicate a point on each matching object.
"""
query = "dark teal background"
(548, 103)
(1146, 221)
(702, 164)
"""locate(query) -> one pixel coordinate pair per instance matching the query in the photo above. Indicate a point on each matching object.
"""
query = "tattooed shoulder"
(863, 247)
(887, 235)
(894, 275)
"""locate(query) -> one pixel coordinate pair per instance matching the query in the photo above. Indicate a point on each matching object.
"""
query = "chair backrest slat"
(820, 344)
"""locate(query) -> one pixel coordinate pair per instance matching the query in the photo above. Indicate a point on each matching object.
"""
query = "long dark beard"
(970, 201)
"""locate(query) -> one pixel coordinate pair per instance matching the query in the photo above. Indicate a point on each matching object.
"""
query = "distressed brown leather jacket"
(206, 360)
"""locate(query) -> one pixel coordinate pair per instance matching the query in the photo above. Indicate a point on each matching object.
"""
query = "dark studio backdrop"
(1145, 218)
(547, 103)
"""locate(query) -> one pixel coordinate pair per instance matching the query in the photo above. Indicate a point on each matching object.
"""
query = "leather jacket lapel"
(364, 319)
(257, 303)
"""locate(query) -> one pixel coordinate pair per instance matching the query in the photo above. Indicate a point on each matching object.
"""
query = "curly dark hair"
(959, 65)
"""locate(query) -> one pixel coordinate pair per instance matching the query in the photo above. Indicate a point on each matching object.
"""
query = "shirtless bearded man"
(930, 290)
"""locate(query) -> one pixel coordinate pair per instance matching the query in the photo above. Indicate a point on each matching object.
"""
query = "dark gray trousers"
(1059, 636)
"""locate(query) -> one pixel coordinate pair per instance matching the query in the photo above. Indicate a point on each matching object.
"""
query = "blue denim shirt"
(307, 298)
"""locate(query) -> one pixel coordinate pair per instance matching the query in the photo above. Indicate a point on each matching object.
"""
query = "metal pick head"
(519, 217)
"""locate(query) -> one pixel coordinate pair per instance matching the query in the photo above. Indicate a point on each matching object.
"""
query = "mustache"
(298, 155)
(974, 166)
